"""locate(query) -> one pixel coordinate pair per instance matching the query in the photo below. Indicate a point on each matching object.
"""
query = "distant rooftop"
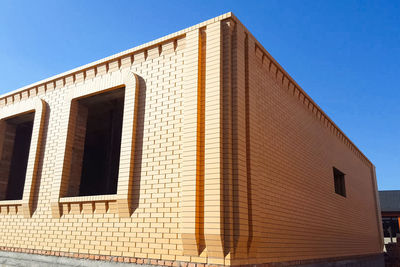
(390, 200)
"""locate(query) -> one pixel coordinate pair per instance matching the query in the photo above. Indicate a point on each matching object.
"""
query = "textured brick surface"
(295, 211)
(224, 160)
(152, 229)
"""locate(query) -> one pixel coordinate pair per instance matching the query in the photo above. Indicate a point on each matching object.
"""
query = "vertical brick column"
(128, 141)
(228, 27)
(213, 194)
(191, 174)
(34, 154)
(254, 132)
(64, 158)
(7, 137)
(241, 208)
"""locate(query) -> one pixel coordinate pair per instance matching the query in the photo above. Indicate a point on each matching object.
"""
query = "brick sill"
(88, 204)
(11, 206)
(82, 199)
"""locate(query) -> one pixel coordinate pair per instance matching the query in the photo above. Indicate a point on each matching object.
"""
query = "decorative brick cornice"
(290, 84)
(90, 71)
(108, 64)
(141, 52)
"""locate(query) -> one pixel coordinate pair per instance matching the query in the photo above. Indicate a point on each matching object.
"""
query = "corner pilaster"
(213, 182)
(192, 195)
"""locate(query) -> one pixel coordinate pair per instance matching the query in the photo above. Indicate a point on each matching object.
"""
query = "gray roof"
(390, 200)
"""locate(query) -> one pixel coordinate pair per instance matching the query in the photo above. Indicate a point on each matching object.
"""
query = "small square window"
(340, 186)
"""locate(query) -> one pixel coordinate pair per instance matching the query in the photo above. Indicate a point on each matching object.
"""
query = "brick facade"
(224, 160)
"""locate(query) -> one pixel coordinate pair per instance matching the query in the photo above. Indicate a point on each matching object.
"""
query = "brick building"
(390, 210)
(196, 147)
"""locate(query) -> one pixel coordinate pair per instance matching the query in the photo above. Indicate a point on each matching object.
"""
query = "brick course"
(224, 160)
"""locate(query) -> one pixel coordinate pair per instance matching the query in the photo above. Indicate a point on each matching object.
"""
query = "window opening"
(16, 137)
(340, 186)
(97, 144)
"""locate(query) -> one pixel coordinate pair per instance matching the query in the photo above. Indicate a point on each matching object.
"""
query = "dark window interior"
(102, 147)
(340, 186)
(390, 226)
(16, 144)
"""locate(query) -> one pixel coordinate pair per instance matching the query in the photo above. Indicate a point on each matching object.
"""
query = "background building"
(390, 208)
(196, 147)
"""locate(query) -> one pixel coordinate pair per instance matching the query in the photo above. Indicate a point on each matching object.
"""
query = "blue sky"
(345, 54)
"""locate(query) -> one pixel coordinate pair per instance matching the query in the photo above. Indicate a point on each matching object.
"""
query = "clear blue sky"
(345, 54)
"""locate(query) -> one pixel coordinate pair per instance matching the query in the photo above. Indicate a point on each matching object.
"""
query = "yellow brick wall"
(295, 211)
(231, 163)
(152, 230)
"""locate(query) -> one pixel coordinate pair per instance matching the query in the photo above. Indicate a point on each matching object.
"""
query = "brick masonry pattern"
(232, 163)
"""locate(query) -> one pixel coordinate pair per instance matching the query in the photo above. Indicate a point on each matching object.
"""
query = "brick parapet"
(102, 66)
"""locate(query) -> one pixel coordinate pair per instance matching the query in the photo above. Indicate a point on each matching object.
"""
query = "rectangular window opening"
(390, 226)
(97, 144)
(16, 141)
(340, 186)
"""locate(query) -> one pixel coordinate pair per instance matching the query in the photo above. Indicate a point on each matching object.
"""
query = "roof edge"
(176, 35)
(292, 80)
(120, 54)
